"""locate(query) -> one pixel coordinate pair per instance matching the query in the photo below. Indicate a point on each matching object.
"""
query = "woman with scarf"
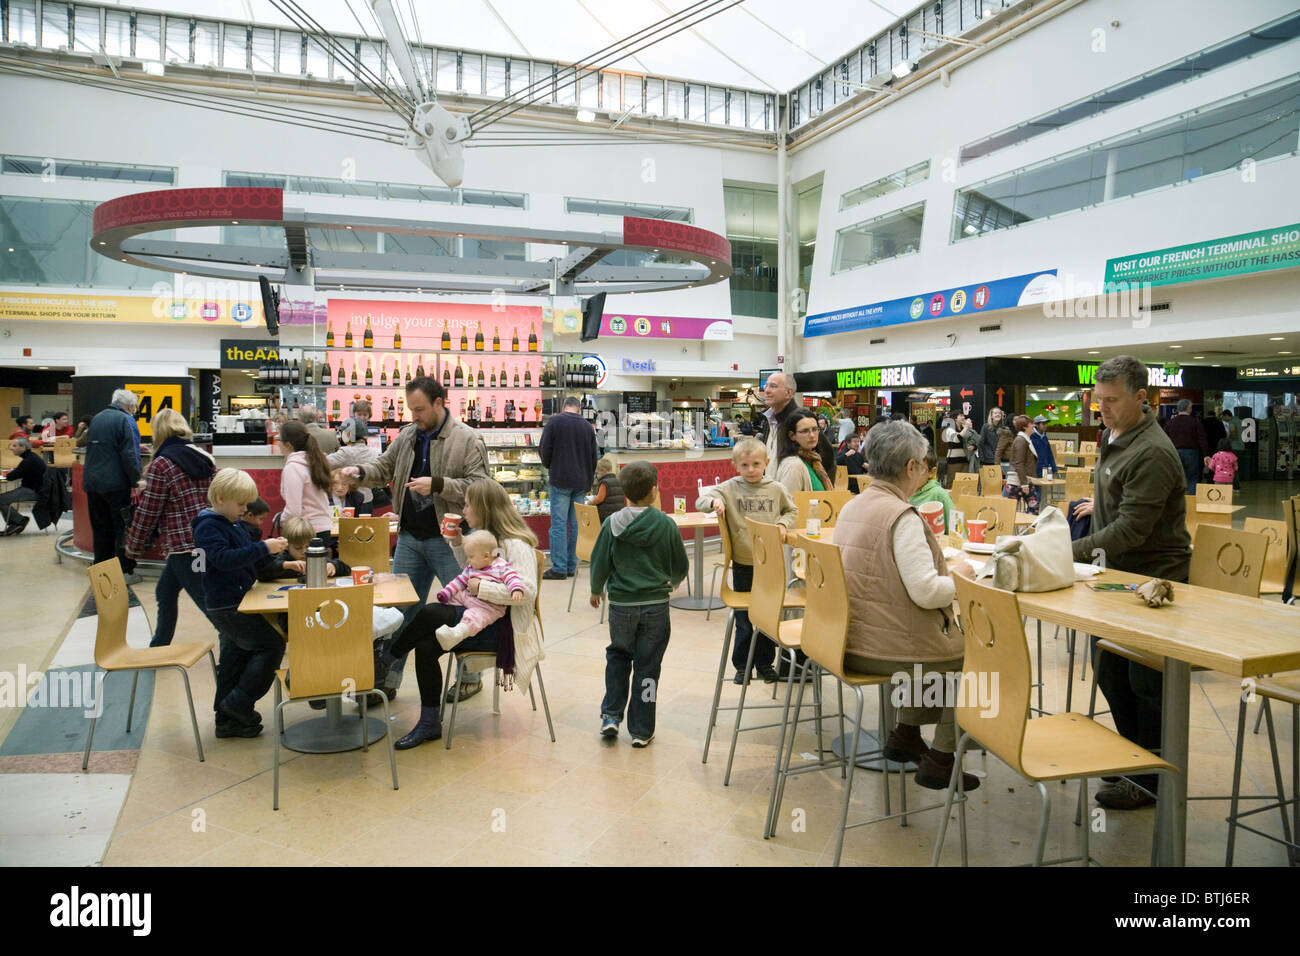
(513, 637)
(800, 464)
(176, 490)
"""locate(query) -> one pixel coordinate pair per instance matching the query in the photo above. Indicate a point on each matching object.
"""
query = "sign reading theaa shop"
(248, 353)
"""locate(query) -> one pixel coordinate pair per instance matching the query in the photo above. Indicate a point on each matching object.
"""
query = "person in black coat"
(31, 472)
(568, 451)
(851, 458)
(111, 471)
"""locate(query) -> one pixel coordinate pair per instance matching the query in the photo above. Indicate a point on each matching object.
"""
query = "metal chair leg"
(713, 589)
(1084, 851)
(546, 707)
(496, 692)
(817, 705)
(94, 716)
(839, 690)
(1236, 777)
(1040, 667)
(189, 697)
(954, 785)
(768, 823)
(277, 726)
(130, 709)
(532, 698)
(740, 706)
(365, 730)
(1069, 671)
(451, 724)
(852, 753)
(573, 587)
(388, 729)
(1277, 774)
(778, 792)
(1259, 717)
(717, 687)
(1041, 843)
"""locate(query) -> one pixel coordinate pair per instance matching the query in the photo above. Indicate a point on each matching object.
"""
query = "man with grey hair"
(568, 451)
(326, 437)
(1188, 435)
(111, 471)
(778, 393)
(1139, 525)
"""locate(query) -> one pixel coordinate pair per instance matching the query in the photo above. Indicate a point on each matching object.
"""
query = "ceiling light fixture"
(1198, 356)
(1175, 346)
(1275, 338)
(1094, 352)
(585, 115)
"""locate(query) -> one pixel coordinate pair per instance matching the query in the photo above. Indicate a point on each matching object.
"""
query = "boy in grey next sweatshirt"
(749, 495)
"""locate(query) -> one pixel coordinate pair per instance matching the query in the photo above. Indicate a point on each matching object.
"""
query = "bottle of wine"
(482, 382)
(514, 343)
(354, 372)
(328, 377)
(446, 337)
(370, 374)
(496, 339)
(504, 381)
(397, 340)
(478, 337)
(347, 335)
(408, 371)
(459, 378)
(310, 376)
(401, 408)
(464, 340)
(383, 374)
(336, 409)
(492, 379)
(532, 337)
(294, 373)
(461, 416)
(492, 414)
(329, 336)
(516, 376)
(528, 378)
(446, 376)
(368, 340)
(419, 369)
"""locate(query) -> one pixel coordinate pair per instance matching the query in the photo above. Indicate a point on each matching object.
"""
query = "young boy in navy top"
(251, 649)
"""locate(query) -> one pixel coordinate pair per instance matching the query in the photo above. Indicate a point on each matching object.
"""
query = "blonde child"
(292, 561)
(485, 563)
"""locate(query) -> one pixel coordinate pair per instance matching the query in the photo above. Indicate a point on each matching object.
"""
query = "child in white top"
(485, 562)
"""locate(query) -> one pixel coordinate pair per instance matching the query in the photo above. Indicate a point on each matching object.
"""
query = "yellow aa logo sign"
(153, 399)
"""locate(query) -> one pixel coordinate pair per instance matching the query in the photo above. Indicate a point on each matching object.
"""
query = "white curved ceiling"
(758, 44)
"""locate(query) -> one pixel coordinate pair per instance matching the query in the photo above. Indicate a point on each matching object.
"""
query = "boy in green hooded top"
(639, 555)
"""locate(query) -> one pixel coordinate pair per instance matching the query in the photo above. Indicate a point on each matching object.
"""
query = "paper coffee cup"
(363, 575)
(451, 524)
(932, 512)
(347, 512)
(975, 528)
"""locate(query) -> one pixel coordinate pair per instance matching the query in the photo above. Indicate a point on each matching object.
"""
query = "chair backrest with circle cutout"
(826, 619)
(1227, 560)
(331, 640)
(112, 604)
(588, 529)
(768, 593)
(1000, 513)
(363, 542)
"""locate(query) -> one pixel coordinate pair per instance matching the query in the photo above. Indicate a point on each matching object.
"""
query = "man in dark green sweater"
(1139, 524)
(640, 557)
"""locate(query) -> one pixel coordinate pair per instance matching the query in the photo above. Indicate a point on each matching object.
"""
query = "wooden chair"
(964, 484)
(1077, 485)
(769, 600)
(824, 637)
(991, 480)
(1000, 513)
(112, 653)
(1228, 560)
(735, 601)
(842, 479)
(64, 456)
(331, 654)
(481, 660)
(8, 460)
(363, 542)
(1192, 517)
(1284, 689)
(829, 506)
(1207, 494)
(588, 531)
(1291, 516)
(1052, 747)
(1087, 448)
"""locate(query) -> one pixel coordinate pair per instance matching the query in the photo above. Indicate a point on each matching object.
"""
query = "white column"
(783, 285)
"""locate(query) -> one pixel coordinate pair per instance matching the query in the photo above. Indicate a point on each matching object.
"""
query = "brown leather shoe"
(904, 744)
(1123, 796)
(934, 772)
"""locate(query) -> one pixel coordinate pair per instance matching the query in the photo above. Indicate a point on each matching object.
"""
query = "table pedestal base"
(334, 733)
(694, 603)
(868, 742)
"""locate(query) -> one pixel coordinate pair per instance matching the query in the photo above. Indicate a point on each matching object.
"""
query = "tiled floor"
(506, 795)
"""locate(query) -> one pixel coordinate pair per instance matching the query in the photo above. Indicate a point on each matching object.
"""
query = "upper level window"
(76, 169)
(886, 184)
(603, 207)
(896, 233)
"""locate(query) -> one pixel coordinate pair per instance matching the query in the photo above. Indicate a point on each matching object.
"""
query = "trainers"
(1123, 796)
(18, 526)
(608, 727)
(739, 678)
(767, 672)
(467, 690)
(640, 742)
(934, 772)
(244, 718)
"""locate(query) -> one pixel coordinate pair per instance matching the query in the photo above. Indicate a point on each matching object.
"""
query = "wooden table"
(697, 600)
(1217, 514)
(1228, 633)
(328, 734)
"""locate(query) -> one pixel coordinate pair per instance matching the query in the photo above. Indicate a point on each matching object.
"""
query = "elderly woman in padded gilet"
(900, 595)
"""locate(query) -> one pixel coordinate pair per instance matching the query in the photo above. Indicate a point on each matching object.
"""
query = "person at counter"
(112, 470)
(430, 464)
(326, 437)
(175, 492)
(1139, 524)
(31, 472)
(568, 450)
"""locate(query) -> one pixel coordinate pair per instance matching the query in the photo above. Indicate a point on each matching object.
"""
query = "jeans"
(1135, 694)
(1191, 460)
(251, 650)
(177, 575)
(10, 499)
(564, 529)
(742, 579)
(420, 560)
(638, 637)
(108, 525)
(420, 635)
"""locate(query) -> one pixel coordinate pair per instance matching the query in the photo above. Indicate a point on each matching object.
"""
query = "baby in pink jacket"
(485, 563)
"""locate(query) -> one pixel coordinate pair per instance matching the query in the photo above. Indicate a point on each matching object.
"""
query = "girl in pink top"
(305, 480)
(1223, 463)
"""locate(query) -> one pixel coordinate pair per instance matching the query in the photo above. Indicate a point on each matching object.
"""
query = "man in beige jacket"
(429, 464)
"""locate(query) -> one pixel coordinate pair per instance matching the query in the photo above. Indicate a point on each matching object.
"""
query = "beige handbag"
(1042, 561)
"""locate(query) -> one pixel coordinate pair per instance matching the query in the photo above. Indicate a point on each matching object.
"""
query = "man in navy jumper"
(568, 450)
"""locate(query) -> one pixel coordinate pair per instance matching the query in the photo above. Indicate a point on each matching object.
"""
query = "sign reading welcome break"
(898, 375)
(1156, 377)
